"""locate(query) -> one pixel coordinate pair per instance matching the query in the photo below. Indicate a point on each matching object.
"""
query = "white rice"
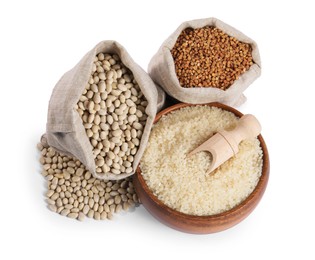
(182, 183)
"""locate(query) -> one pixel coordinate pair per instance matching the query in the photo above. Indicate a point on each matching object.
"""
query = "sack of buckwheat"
(102, 111)
(206, 61)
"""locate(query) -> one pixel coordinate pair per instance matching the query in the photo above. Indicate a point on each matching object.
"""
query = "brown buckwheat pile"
(208, 57)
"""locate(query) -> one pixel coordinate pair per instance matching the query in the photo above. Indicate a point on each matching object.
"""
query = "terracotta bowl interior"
(202, 224)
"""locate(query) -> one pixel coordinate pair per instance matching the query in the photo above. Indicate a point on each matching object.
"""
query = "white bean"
(112, 109)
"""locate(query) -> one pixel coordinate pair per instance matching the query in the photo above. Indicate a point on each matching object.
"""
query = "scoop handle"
(248, 127)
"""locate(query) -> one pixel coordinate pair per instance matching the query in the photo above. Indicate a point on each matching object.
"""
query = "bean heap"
(208, 57)
(112, 108)
(73, 192)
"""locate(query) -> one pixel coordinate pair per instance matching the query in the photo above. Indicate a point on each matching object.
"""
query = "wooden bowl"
(202, 224)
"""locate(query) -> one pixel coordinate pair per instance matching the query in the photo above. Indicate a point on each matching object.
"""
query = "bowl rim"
(261, 185)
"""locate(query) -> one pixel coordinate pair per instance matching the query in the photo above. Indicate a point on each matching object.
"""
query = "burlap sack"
(65, 131)
(162, 69)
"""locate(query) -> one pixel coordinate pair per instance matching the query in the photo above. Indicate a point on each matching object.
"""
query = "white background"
(39, 41)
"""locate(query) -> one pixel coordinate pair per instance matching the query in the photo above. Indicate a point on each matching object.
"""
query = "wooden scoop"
(224, 144)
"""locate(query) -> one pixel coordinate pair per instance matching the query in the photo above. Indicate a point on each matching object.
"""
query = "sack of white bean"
(102, 111)
(206, 61)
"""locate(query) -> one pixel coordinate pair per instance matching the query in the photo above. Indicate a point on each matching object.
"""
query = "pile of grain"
(208, 57)
(73, 192)
(112, 108)
(183, 184)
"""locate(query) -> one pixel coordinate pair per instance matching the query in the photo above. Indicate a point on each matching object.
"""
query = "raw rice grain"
(183, 183)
